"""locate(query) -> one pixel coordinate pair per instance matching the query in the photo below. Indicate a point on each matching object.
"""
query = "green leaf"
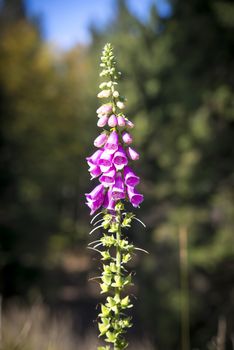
(125, 302)
(110, 337)
(126, 257)
(107, 279)
(105, 255)
(118, 282)
(105, 311)
(103, 327)
(104, 288)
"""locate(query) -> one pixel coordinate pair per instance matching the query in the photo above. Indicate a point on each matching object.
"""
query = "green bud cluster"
(116, 252)
(111, 74)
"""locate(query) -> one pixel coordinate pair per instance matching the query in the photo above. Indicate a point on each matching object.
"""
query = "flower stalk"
(117, 183)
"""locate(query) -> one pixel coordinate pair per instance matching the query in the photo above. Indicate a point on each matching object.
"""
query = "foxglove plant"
(110, 163)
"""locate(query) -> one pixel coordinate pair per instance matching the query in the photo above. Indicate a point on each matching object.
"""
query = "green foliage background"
(178, 78)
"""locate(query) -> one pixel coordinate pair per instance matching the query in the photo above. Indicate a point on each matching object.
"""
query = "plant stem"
(118, 262)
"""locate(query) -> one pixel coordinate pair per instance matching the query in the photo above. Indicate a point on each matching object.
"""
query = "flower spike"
(117, 184)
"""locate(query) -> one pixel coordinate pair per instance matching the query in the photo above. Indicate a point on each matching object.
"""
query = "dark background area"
(178, 79)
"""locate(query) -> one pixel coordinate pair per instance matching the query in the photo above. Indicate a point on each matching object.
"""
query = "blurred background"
(177, 60)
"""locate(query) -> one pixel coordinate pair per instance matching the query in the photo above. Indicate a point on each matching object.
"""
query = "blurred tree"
(44, 128)
(180, 93)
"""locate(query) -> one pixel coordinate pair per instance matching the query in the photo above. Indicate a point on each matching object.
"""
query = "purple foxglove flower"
(121, 121)
(100, 140)
(120, 159)
(118, 191)
(130, 177)
(102, 121)
(95, 171)
(109, 202)
(96, 193)
(129, 124)
(112, 121)
(135, 197)
(94, 205)
(105, 161)
(93, 159)
(104, 109)
(95, 198)
(111, 145)
(132, 153)
(127, 138)
(108, 178)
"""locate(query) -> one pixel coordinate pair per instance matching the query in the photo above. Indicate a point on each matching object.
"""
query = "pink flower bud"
(132, 153)
(112, 143)
(129, 124)
(104, 109)
(121, 121)
(100, 140)
(127, 138)
(112, 122)
(102, 121)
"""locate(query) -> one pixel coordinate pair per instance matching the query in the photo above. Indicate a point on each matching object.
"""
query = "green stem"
(118, 264)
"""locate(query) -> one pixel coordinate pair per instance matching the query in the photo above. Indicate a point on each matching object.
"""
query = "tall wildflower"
(111, 164)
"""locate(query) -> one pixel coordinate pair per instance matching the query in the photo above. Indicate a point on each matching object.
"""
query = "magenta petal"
(134, 196)
(111, 145)
(95, 198)
(130, 177)
(95, 205)
(105, 161)
(109, 202)
(96, 193)
(120, 159)
(93, 159)
(118, 191)
(94, 170)
(108, 178)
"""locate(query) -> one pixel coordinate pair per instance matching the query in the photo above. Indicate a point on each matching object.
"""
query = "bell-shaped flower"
(95, 171)
(94, 205)
(109, 202)
(108, 178)
(112, 121)
(102, 121)
(127, 138)
(132, 153)
(95, 198)
(130, 178)
(93, 159)
(120, 159)
(105, 161)
(118, 191)
(134, 196)
(100, 140)
(111, 145)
